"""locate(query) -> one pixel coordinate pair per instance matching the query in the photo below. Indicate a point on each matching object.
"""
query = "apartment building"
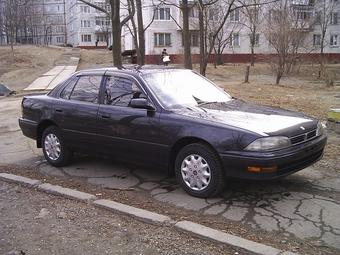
(87, 27)
(36, 22)
(165, 30)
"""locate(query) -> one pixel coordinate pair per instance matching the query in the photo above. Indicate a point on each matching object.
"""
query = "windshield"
(184, 87)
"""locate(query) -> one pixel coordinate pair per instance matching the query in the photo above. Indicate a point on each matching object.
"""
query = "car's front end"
(262, 159)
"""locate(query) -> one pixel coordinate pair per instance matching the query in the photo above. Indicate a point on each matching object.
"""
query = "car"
(172, 119)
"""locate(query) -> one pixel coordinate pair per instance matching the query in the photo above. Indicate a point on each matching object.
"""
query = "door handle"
(58, 110)
(105, 116)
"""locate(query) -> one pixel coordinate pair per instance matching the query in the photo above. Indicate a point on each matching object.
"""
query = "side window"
(119, 91)
(65, 94)
(87, 89)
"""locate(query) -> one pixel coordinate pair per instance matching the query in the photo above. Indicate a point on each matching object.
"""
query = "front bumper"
(287, 161)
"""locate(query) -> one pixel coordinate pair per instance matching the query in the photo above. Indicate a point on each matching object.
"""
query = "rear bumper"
(287, 161)
(28, 128)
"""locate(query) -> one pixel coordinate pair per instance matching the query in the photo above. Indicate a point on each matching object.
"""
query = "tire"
(54, 149)
(199, 171)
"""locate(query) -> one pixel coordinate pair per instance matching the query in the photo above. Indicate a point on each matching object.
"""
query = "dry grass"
(29, 62)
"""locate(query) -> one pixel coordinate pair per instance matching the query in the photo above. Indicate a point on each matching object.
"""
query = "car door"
(76, 109)
(129, 133)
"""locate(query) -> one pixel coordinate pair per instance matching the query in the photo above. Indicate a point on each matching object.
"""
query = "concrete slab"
(219, 236)
(41, 83)
(141, 214)
(19, 179)
(66, 192)
(54, 71)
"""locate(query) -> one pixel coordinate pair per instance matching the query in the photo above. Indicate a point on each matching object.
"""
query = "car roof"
(129, 69)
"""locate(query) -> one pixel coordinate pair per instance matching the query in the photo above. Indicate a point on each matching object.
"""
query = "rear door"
(75, 112)
(129, 133)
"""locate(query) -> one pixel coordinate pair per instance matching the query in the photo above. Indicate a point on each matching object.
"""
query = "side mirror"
(141, 103)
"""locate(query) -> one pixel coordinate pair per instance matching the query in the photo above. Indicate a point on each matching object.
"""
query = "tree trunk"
(186, 35)
(116, 33)
(252, 56)
(202, 41)
(141, 37)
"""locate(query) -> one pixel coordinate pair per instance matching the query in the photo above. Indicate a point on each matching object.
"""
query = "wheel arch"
(182, 143)
(40, 129)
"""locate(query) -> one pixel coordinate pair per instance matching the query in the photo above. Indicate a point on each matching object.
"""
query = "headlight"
(269, 143)
(320, 129)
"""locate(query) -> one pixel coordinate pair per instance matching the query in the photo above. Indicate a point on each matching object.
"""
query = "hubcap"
(196, 172)
(52, 146)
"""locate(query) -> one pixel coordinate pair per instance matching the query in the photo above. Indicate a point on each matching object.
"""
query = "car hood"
(262, 120)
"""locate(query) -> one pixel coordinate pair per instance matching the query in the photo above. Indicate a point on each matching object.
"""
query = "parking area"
(303, 207)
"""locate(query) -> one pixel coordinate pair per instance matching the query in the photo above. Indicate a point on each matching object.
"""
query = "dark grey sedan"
(172, 119)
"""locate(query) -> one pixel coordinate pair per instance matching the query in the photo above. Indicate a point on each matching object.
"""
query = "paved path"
(305, 205)
(66, 65)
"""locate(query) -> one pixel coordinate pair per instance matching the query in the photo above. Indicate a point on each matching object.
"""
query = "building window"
(334, 40)
(162, 39)
(60, 39)
(60, 29)
(162, 14)
(303, 15)
(316, 40)
(194, 39)
(213, 14)
(85, 9)
(193, 12)
(256, 39)
(86, 38)
(235, 16)
(85, 23)
(235, 40)
(334, 18)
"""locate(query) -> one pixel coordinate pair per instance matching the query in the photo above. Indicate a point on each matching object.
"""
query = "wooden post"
(246, 78)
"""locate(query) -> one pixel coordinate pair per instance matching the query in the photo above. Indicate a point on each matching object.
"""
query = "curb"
(221, 237)
(148, 216)
(66, 192)
(24, 181)
(141, 214)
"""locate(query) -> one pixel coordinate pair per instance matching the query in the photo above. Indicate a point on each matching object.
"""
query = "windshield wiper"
(204, 103)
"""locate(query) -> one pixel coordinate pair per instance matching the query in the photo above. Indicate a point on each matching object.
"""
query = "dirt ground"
(38, 223)
(29, 63)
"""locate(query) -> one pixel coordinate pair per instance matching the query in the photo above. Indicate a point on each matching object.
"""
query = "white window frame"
(86, 38)
(235, 16)
(163, 13)
(332, 42)
(233, 42)
(316, 40)
(157, 39)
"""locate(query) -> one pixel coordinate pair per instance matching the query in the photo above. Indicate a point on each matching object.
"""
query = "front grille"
(303, 137)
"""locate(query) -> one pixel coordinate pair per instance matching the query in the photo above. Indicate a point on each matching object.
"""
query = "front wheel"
(54, 149)
(199, 171)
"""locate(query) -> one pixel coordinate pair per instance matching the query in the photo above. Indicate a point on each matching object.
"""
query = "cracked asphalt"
(304, 206)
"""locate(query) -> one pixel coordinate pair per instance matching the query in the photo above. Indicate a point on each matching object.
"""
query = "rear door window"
(65, 94)
(87, 89)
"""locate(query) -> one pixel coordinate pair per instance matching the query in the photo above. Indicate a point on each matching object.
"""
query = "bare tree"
(184, 6)
(138, 30)
(253, 19)
(326, 15)
(286, 34)
(117, 23)
(207, 41)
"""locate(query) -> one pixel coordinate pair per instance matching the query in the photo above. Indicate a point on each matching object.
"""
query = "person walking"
(165, 57)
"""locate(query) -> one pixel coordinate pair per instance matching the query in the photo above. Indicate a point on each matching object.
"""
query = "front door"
(129, 133)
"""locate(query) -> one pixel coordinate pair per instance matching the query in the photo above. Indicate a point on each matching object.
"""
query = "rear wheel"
(199, 171)
(54, 149)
